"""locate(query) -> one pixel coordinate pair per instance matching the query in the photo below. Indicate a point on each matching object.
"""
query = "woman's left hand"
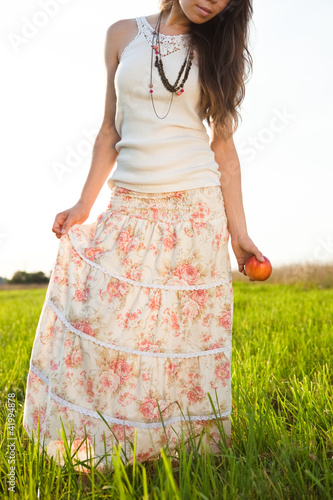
(243, 248)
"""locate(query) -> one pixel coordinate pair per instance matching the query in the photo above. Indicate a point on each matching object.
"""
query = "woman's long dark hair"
(225, 62)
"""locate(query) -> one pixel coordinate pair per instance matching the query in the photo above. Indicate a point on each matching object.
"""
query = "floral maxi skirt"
(133, 345)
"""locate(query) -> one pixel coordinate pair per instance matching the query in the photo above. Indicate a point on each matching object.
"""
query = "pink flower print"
(154, 348)
(68, 342)
(203, 209)
(133, 244)
(171, 318)
(84, 446)
(110, 381)
(178, 194)
(42, 418)
(90, 388)
(175, 281)
(74, 359)
(189, 232)
(33, 379)
(225, 320)
(46, 336)
(195, 394)
(217, 240)
(101, 218)
(124, 239)
(92, 253)
(75, 257)
(171, 369)
(54, 366)
(207, 320)
(116, 288)
(146, 376)
(141, 457)
(85, 327)
(126, 399)
(206, 337)
(223, 371)
(77, 357)
(217, 345)
(58, 275)
(200, 296)
(153, 249)
(119, 431)
(175, 325)
(135, 315)
(169, 242)
(155, 301)
(198, 217)
(124, 322)
(195, 215)
(191, 309)
(193, 376)
(134, 274)
(188, 273)
(200, 392)
(30, 399)
(146, 345)
(192, 396)
(82, 295)
(148, 408)
(154, 214)
(123, 369)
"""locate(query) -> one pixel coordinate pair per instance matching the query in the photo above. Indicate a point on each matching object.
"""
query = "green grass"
(282, 409)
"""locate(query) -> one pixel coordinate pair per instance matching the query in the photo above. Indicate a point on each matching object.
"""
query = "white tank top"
(157, 155)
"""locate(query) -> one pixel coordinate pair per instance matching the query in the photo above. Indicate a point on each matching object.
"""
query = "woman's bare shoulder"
(121, 32)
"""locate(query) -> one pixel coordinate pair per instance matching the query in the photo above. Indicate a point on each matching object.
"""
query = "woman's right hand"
(68, 218)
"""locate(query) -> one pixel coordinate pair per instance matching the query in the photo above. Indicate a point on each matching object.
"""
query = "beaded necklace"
(186, 66)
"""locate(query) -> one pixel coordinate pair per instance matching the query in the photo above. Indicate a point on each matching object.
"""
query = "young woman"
(134, 340)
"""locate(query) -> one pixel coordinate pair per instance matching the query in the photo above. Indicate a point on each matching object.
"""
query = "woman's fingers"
(68, 218)
(58, 223)
(259, 256)
(60, 220)
(70, 221)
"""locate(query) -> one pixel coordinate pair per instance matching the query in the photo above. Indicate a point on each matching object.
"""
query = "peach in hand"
(256, 270)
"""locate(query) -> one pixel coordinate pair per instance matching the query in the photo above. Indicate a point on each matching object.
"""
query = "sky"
(52, 102)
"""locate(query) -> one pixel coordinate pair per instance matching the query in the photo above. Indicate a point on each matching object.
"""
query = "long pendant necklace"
(186, 66)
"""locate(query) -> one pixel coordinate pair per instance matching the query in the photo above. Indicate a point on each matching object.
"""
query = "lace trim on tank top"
(169, 43)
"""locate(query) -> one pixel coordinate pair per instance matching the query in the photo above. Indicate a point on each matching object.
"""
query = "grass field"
(282, 409)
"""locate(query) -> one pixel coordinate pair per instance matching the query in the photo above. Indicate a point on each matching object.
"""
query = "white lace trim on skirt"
(149, 285)
(134, 351)
(128, 423)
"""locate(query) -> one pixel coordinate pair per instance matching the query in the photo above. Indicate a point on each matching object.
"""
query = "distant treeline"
(320, 275)
(22, 278)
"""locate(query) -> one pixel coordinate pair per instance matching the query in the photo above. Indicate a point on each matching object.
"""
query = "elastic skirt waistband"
(200, 203)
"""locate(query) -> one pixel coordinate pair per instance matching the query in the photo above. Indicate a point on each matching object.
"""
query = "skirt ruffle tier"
(136, 328)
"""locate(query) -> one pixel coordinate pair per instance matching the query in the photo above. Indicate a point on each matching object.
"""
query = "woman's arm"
(229, 166)
(227, 158)
(104, 153)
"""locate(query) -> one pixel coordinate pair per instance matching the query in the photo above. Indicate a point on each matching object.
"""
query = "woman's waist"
(165, 156)
(200, 204)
